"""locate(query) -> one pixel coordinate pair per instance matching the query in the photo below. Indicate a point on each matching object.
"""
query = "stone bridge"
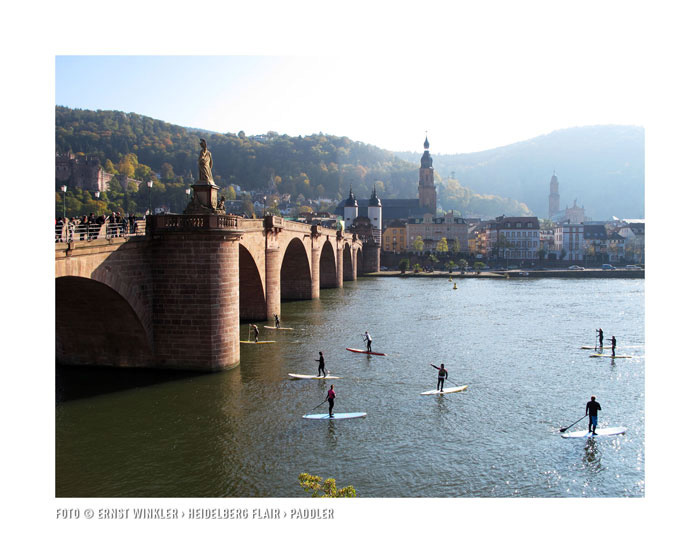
(174, 298)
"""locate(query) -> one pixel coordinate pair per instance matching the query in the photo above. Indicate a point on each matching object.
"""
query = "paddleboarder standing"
(613, 342)
(600, 337)
(256, 331)
(277, 320)
(367, 338)
(592, 408)
(321, 364)
(442, 375)
(330, 398)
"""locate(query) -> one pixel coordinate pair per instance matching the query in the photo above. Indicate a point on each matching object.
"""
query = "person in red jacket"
(330, 398)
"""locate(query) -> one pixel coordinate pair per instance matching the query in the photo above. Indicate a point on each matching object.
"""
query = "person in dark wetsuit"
(321, 364)
(442, 375)
(330, 397)
(277, 320)
(256, 331)
(613, 342)
(592, 408)
(600, 337)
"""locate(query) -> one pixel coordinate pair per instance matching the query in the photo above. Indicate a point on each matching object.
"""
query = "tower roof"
(351, 201)
(426, 144)
(374, 200)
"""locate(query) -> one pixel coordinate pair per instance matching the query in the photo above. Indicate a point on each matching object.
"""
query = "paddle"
(319, 405)
(565, 429)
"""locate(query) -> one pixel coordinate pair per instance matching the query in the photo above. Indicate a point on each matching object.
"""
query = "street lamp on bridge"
(188, 192)
(150, 205)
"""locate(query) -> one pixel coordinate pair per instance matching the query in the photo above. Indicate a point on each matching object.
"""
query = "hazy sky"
(466, 103)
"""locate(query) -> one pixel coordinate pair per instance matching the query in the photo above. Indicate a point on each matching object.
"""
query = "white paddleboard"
(588, 347)
(280, 328)
(312, 376)
(611, 356)
(258, 342)
(612, 431)
(336, 416)
(444, 391)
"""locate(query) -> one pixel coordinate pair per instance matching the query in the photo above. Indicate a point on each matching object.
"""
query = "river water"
(240, 433)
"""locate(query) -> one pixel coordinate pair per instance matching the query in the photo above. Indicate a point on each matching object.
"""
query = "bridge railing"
(79, 231)
(174, 222)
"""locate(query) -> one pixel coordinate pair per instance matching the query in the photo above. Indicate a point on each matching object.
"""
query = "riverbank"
(543, 273)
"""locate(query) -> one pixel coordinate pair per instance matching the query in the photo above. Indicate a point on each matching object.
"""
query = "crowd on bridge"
(88, 227)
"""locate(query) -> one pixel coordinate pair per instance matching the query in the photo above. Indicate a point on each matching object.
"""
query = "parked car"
(608, 267)
(634, 267)
(576, 268)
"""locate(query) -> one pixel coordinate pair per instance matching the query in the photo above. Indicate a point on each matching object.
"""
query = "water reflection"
(592, 456)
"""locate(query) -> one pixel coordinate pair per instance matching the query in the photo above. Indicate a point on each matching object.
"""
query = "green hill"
(316, 166)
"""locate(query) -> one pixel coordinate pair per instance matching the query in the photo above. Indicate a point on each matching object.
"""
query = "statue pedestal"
(205, 198)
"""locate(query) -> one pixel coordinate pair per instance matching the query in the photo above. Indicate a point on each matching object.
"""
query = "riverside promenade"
(514, 273)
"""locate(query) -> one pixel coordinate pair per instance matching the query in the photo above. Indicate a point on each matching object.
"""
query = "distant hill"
(602, 167)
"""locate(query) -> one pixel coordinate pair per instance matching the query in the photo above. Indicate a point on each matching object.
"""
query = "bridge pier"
(315, 268)
(196, 300)
(273, 290)
(339, 264)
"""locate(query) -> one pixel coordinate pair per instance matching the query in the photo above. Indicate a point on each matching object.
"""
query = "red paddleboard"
(363, 351)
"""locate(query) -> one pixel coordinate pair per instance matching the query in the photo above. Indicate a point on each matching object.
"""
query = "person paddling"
(613, 343)
(592, 408)
(600, 337)
(330, 398)
(321, 364)
(442, 375)
(277, 320)
(367, 338)
(256, 331)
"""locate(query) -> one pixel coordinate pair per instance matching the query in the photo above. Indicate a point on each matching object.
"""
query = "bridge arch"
(359, 262)
(252, 303)
(327, 277)
(348, 267)
(295, 273)
(96, 325)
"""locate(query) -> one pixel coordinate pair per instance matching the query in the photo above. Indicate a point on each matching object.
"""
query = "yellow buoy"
(455, 286)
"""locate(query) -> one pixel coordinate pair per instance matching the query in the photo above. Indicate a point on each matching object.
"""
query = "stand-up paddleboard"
(336, 416)
(258, 342)
(611, 356)
(365, 351)
(588, 347)
(613, 431)
(312, 376)
(444, 391)
(280, 328)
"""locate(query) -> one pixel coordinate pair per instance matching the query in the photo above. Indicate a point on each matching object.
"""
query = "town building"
(595, 237)
(394, 237)
(432, 229)
(513, 238)
(633, 235)
(569, 241)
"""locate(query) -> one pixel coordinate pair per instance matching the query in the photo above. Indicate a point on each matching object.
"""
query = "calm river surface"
(516, 343)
